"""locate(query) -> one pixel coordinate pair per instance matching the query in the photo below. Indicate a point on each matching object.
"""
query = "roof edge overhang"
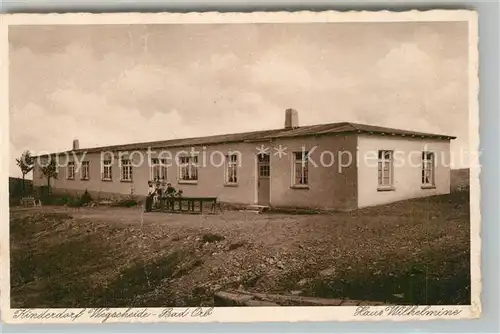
(404, 135)
(117, 148)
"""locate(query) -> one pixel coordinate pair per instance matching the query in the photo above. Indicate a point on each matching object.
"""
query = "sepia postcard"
(240, 167)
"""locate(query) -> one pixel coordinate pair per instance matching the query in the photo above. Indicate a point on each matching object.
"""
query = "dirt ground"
(408, 252)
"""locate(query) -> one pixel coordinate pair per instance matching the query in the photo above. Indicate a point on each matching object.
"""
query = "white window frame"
(126, 165)
(300, 164)
(82, 176)
(191, 166)
(70, 170)
(159, 165)
(428, 169)
(231, 169)
(107, 166)
(385, 158)
(266, 163)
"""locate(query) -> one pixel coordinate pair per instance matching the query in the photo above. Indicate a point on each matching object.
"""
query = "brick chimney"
(291, 119)
(76, 144)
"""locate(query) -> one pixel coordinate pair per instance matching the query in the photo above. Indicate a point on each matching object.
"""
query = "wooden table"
(174, 204)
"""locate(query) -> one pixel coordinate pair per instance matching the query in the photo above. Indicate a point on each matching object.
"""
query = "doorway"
(263, 179)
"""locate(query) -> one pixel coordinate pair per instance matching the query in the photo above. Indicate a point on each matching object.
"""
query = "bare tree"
(25, 163)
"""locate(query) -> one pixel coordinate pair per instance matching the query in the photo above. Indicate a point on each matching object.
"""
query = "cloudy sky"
(128, 83)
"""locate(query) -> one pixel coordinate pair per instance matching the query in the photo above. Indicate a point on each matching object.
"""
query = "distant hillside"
(459, 179)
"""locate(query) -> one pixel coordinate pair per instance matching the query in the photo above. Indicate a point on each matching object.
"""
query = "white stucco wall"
(355, 187)
(407, 168)
(328, 188)
(211, 174)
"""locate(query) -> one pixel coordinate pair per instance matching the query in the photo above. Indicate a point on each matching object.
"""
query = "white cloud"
(109, 90)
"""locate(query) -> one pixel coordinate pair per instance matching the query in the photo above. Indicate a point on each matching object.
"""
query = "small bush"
(86, 198)
(65, 199)
(127, 203)
(55, 199)
(74, 202)
(60, 200)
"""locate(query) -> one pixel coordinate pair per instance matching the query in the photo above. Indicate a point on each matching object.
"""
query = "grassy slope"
(418, 250)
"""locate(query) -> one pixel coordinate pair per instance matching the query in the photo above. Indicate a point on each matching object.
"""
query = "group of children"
(159, 193)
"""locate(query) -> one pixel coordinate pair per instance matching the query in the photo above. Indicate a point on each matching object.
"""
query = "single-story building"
(338, 166)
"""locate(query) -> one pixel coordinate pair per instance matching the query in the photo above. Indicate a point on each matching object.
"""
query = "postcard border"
(258, 314)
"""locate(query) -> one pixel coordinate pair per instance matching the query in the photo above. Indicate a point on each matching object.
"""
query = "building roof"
(269, 135)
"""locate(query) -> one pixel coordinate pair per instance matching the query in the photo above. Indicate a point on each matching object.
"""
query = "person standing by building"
(149, 198)
(163, 194)
(169, 193)
(157, 195)
(170, 190)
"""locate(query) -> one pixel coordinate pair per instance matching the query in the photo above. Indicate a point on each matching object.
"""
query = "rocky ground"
(409, 252)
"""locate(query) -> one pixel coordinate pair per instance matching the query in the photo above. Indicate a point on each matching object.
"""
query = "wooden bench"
(175, 204)
(30, 201)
